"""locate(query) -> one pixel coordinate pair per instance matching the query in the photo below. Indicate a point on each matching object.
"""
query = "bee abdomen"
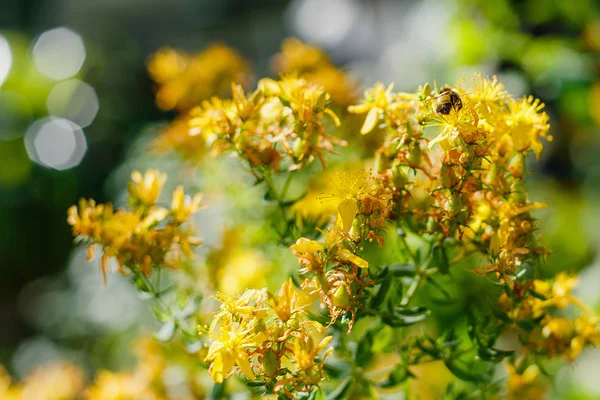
(444, 108)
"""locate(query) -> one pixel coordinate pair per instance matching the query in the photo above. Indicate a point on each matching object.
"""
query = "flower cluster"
(280, 120)
(144, 236)
(473, 188)
(438, 206)
(314, 65)
(542, 329)
(268, 338)
(183, 79)
(57, 381)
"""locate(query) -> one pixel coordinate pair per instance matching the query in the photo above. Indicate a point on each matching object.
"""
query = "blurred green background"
(77, 107)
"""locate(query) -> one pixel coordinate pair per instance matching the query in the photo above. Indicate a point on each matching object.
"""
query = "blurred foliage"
(547, 48)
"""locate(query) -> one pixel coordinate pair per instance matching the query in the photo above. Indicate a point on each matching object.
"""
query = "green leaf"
(190, 308)
(399, 319)
(160, 314)
(441, 258)
(218, 391)
(379, 297)
(363, 349)
(342, 391)
(401, 270)
(526, 325)
(293, 201)
(398, 375)
(493, 355)
(466, 373)
(256, 383)
(166, 332)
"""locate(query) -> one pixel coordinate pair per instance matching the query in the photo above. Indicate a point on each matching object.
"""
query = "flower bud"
(378, 163)
(293, 323)
(448, 176)
(518, 192)
(516, 165)
(270, 364)
(414, 157)
(455, 204)
(298, 147)
(399, 178)
(341, 298)
(320, 280)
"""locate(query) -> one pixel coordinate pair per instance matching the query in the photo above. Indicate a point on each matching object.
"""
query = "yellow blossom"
(587, 331)
(376, 102)
(146, 188)
(249, 304)
(182, 206)
(121, 386)
(289, 301)
(183, 79)
(230, 348)
(305, 351)
(527, 124)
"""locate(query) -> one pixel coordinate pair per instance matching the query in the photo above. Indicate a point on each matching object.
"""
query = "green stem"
(420, 274)
(150, 288)
(410, 253)
(286, 186)
(274, 193)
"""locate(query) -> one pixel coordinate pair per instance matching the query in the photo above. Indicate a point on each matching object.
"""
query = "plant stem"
(420, 274)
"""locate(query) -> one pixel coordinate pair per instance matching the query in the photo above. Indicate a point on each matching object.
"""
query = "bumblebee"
(448, 100)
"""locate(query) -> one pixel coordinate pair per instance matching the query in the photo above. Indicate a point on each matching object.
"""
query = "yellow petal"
(242, 361)
(359, 108)
(347, 211)
(346, 255)
(304, 245)
(334, 117)
(212, 351)
(370, 121)
(217, 372)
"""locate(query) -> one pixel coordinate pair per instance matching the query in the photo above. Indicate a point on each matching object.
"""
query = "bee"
(447, 101)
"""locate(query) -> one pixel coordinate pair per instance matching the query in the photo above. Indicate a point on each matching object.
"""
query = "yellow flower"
(183, 79)
(314, 255)
(587, 332)
(166, 64)
(464, 124)
(309, 253)
(377, 101)
(58, 381)
(146, 188)
(289, 301)
(299, 57)
(488, 97)
(525, 385)
(230, 348)
(312, 64)
(348, 188)
(559, 327)
(305, 351)
(558, 293)
(249, 305)
(182, 206)
(121, 386)
(176, 136)
(345, 255)
(143, 237)
(527, 124)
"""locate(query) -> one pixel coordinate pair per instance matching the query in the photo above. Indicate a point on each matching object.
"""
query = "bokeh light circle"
(5, 59)
(74, 100)
(56, 143)
(59, 53)
(325, 22)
